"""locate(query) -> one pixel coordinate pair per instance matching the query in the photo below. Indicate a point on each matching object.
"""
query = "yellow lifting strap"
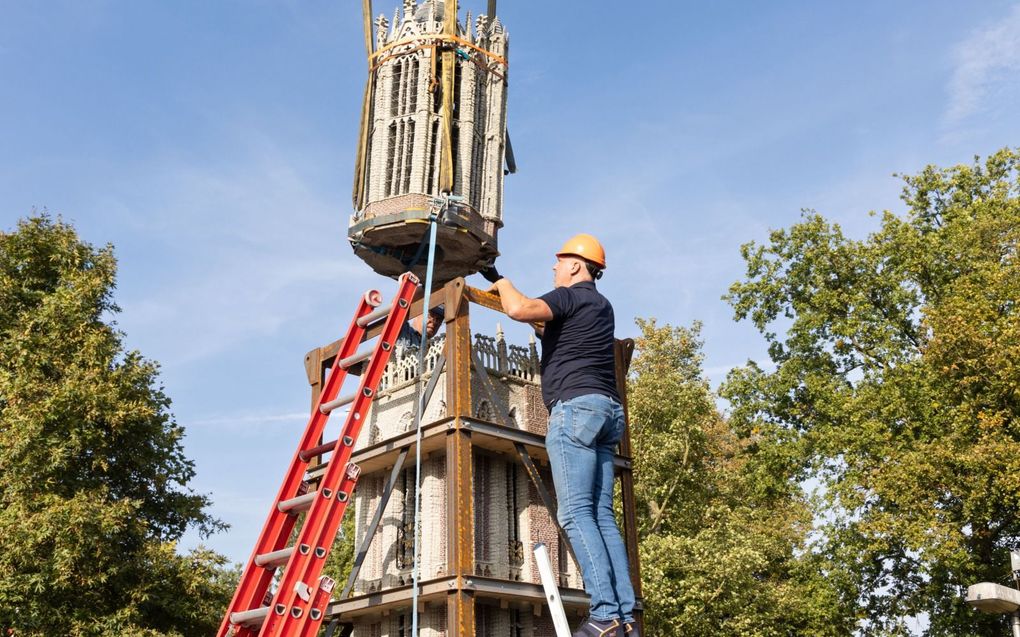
(434, 41)
(361, 158)
(446, 156)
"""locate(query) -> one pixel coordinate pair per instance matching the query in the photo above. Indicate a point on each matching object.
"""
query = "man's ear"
(575, 266)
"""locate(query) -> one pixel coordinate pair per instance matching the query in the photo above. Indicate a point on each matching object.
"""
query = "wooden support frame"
(457, 434)
(624, 353)
(460, 515)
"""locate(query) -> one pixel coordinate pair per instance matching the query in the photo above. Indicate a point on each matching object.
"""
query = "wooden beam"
(624, 353)
(460, 516)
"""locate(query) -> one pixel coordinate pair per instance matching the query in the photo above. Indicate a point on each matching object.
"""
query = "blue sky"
(212, 143)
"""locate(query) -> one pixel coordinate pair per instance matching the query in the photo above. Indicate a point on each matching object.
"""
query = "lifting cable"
(419, 408)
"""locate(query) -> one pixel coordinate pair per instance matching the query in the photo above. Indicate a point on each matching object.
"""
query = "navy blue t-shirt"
(577, 345)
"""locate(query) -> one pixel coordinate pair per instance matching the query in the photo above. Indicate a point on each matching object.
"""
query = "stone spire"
(501, 351)
(481, 25)
(381, 26)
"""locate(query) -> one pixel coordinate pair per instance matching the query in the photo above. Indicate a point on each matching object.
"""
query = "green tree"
(723, 525)
(896, 378)
(93, 478)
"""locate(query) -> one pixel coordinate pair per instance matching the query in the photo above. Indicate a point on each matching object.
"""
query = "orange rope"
(441, 37)
(422, 47)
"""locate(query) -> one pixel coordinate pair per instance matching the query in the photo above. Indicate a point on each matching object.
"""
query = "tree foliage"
(896, 379)
(93, 478)
(722, 525)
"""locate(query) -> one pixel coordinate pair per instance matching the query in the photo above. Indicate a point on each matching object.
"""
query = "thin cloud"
(987, 64)
(716, 371)
(235, 303)
(251, 419)
(236, 276)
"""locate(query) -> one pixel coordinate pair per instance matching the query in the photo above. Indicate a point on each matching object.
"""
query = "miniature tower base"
(482, 492)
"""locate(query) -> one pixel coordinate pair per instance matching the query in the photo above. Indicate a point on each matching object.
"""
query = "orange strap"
(438, 37)
(421, 47)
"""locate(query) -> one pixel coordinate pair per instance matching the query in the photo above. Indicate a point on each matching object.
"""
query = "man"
(410, 332)
(585, 423)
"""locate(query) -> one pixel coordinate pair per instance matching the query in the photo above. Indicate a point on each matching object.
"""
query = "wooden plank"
(483, 298)
(624, 353)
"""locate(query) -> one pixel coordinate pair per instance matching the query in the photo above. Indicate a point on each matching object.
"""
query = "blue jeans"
(582, 439)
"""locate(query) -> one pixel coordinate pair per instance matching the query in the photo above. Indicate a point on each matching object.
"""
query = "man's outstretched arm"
(516, 305)
(520, 307)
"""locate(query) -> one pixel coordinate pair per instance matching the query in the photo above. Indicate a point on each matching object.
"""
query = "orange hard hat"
(585, 246)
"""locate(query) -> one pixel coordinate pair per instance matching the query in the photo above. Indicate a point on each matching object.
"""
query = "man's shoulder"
(586, 290)
(579, 288)
(556, 295)
(575, 298)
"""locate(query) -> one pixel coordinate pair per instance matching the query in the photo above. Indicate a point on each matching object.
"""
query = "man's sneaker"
(591, 627)
(630, 629)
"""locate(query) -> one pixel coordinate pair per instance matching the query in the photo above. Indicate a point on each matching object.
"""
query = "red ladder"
(298, 606)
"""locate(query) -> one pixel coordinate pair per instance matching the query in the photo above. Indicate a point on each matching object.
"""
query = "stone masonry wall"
(509, 515)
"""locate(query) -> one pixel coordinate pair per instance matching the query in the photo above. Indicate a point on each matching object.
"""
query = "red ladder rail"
(320, 599)
(300, 591)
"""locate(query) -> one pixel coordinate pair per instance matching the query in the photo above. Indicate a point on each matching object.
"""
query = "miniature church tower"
(433, 125)
(483, 485)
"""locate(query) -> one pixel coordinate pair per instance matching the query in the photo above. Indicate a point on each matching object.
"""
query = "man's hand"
(490, 274)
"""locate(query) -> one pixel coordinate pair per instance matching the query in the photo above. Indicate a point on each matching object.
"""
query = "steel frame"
(457, 434)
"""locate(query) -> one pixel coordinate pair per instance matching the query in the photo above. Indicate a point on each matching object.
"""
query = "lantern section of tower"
(401, 174)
